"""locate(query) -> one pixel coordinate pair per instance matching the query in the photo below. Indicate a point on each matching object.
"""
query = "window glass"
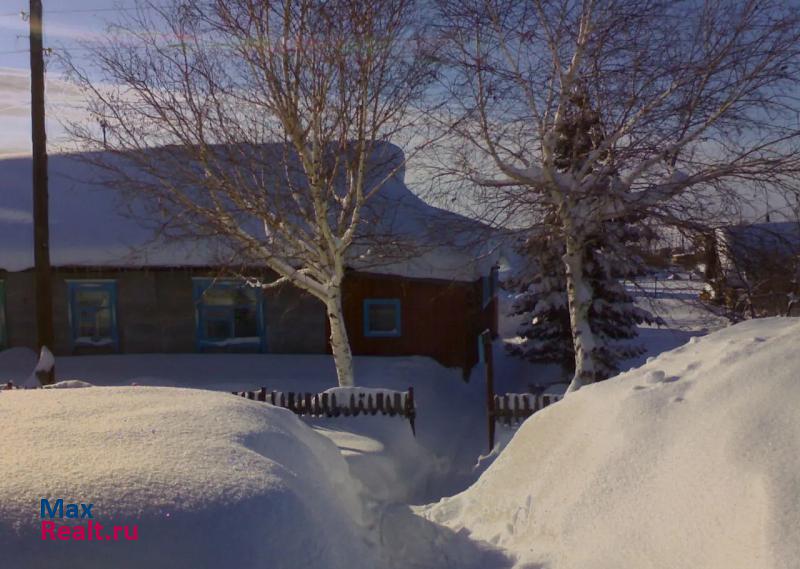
(228, 310)
(217, 324)
(93, 298)
(92, 312)
(382, 317)
(217, 297)
(245, 321)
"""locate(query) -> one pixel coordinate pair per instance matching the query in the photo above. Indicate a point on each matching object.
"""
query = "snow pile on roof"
(211, 480)
(90, 224)
(95, 221)
(751, 246)
(692, 460)
(782, 235)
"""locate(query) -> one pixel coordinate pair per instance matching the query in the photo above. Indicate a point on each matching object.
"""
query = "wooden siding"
(155, 312)
(439, 319)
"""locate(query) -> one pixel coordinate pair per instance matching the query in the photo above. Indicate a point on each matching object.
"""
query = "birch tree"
(692, 100)
(271, 121)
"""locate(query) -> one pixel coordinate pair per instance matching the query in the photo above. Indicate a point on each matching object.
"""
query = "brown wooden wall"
(439, 319)
(156, 313)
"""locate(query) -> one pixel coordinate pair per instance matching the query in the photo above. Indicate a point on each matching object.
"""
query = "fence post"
(411, 410)
(486, 340)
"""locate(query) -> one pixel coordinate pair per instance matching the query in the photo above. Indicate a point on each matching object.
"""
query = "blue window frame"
(229, 316)
(93, 313)
(382, 318)
(3, 331)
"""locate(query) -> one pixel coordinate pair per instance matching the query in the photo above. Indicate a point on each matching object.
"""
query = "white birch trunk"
(340, 345)
(580, 295)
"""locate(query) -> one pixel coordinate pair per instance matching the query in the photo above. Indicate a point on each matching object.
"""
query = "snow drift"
(211, 480)
(692, 460)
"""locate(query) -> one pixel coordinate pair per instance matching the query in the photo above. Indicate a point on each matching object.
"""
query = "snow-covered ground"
(693, 460)
(381, 451)
(672, 297)
(675, 299)
(208, 479)
(688, 461)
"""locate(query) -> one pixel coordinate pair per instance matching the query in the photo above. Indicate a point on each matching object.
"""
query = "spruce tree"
(541, 285)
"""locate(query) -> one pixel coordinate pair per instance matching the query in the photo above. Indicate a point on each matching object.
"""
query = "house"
(118, 287)
(755, 268)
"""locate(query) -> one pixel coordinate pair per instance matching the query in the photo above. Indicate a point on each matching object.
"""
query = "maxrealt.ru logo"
(91, 531)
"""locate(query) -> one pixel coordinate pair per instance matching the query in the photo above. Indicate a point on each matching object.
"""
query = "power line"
(86, 10)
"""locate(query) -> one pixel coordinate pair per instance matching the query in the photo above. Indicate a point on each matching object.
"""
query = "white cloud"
(63, 103)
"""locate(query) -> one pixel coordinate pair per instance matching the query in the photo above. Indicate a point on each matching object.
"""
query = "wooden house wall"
(439, 319)
(156, 314)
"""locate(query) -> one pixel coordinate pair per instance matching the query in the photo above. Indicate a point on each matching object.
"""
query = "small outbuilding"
(755, 268)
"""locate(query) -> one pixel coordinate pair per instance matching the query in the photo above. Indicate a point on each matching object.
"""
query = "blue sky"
(66, 24)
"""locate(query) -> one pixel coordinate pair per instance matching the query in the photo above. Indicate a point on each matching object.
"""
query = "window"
(229, 316)
(382, 317)
(93, 313)
(3, 332)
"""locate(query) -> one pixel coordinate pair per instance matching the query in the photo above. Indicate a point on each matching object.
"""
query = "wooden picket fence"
(511, 407)
(328, 405)
(516, 407)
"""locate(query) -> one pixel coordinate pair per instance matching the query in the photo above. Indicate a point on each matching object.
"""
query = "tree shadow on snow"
(414, 542)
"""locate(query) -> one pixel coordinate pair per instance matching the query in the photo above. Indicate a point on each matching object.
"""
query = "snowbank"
(68, 384)
(16, 364)
(692, 460)
(382, 453)
(211, 480)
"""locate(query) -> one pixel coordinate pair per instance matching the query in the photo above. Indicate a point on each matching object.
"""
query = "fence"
(385, 402)
(516, 407)
(511, 407)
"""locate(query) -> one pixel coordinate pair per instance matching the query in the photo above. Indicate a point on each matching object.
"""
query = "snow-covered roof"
(776, 237)
(93, 223)
(749, 246)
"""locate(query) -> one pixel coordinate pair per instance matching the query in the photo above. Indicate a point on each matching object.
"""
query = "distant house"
(756, 267)
(117, 289)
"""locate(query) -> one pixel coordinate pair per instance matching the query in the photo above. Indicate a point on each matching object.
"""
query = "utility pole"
(41, 227)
